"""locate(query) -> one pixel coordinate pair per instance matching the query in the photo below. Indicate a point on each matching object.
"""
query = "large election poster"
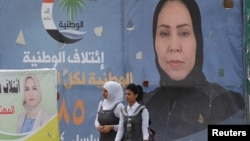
(90, 42)
(28, 105)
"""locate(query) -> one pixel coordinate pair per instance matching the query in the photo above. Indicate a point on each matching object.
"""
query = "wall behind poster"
(247, 56)
(107, 40)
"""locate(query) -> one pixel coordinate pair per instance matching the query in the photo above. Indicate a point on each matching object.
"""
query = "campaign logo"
(65, 30)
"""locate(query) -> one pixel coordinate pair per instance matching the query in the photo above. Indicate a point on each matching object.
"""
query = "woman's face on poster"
(32, 96)
(175, 42)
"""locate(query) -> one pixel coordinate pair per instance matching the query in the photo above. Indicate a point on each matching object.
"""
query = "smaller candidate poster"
(28, 105)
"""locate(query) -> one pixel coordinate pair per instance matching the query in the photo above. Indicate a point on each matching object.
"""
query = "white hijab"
(115, 95)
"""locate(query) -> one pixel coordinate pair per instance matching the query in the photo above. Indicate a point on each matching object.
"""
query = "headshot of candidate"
(178, 43)
(185, 102)
(34, 115)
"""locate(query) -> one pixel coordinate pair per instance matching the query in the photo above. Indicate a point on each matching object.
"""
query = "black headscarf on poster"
(181, 108)
(196, 76)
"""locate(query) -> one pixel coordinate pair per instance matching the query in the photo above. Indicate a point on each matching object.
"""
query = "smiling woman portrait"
(34, 115)
(185, 102)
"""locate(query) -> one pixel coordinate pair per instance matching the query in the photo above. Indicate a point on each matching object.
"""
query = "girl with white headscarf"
(107, 118)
